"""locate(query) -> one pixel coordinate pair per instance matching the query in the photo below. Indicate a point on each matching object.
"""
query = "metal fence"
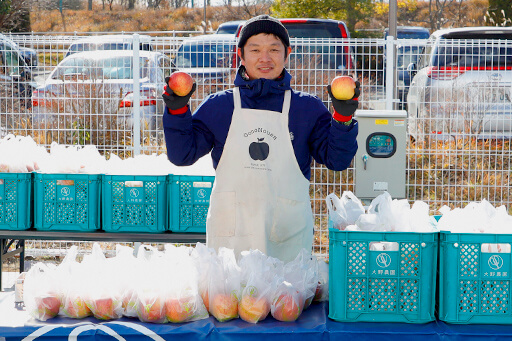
(447, 164)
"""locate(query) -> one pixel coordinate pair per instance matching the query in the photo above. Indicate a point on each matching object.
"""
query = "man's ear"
(288, 50)
(239, 54)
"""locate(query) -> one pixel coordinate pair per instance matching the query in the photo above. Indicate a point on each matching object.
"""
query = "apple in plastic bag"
(76, 308)
(151, 310)
(253, 309)
(47, 306)
(178, 310)
(287, 307)
(103, 308)
(343, 87)
(206, 299)
(224, 307)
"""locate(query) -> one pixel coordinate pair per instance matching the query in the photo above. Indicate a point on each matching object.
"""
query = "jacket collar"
(261, 87)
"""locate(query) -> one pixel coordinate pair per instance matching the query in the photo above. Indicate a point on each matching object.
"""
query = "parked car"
(412, 40)
(207, 58)
(28, 54)
(101, 85)
(463, 84)
(109, 42)
(329, 53)
(230, 27)
(15, 75)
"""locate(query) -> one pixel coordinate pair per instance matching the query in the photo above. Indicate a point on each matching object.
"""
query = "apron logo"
(259, 150)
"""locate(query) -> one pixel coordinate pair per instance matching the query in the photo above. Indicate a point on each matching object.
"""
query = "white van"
(109, 42)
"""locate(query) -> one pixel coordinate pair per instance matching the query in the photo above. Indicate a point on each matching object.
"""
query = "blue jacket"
(315, 134)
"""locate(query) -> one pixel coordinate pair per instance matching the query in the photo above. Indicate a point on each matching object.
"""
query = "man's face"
(264, 56)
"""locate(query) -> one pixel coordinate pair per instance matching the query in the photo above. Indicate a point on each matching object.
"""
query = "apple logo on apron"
(259, 150)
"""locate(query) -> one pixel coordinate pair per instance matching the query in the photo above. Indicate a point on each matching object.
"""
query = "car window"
(115, 46)
(227, 29)
(472, 53)
(312, 30)
(71, 67)
(165, 66)
(407, 55)
(203, 55)
(9, 61)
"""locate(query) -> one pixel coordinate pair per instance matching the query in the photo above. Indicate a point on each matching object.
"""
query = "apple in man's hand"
(343, 87)
(180, 83)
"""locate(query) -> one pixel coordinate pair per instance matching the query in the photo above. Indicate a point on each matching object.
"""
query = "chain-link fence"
(459, 112)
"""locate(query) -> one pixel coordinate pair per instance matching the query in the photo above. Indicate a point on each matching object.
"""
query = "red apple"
(151, 310)
(179, 310)
(180, 83)
(224, 307)
(76, 308)
(130, 303)
(287, 308)
(252, 309)
(103, 308)
(47, 306)
(343, 87)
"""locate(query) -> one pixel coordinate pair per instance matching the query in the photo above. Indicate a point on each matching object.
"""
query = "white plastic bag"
(345, 211)
(41, 292)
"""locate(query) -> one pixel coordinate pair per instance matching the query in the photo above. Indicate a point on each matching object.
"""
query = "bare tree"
(13, 14)
(247, 8)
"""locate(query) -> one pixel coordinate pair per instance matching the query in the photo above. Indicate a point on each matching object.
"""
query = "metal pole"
(204, 10)
(393, 9)
(136, 95)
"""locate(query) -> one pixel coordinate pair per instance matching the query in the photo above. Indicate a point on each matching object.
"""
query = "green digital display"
(381, 145)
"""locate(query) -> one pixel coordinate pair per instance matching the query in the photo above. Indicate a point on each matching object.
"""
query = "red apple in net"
(180, 83)
(287, 308)
(343, 87)
(47, 306)
(224, 307)
(151, 310)
(178, 310)
(253, 309)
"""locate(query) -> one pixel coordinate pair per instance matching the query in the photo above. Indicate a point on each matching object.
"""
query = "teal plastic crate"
(475, 278)
(189, 200)
(15, 201)
(134, 203)
(382, 286)
(67, 202)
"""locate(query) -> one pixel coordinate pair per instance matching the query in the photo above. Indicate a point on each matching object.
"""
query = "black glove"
(173, 101)
(348, 107)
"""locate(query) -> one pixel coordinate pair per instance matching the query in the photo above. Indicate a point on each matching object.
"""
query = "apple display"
(343, 87)
(180, 83)
(287, 308)
(47, 306)
(224, 307)
(151, 310)
(253, 309)
(178, 310)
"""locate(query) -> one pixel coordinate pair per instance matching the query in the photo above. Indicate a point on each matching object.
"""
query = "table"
(17, 238)
(313, 324)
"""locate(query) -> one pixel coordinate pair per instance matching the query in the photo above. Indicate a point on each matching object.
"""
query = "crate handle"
(495, 248)
(383, 246)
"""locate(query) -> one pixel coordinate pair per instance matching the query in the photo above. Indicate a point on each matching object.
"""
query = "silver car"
(462, 85)
(100, 87)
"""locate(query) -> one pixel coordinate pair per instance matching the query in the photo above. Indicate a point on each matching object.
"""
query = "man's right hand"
(173, 101)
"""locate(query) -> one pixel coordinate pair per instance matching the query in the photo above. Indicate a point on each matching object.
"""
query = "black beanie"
(263, 24)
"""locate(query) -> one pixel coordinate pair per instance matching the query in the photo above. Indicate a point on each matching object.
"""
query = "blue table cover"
(313, 324)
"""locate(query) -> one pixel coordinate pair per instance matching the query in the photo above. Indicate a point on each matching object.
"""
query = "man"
(262, 136)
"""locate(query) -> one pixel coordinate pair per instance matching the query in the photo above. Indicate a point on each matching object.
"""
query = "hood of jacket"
(261, 88)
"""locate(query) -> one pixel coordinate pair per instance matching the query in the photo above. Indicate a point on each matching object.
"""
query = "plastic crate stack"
(392, 276)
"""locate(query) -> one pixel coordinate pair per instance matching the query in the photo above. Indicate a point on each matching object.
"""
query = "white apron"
(260, 198)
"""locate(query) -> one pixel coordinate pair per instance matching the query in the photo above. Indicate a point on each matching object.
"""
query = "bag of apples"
(302, 273)
(41, 292)
(287, 302)
(224, 286)
(73, 279)
(182, 301)
(102, 297)
(257, 271)
(203, 257)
